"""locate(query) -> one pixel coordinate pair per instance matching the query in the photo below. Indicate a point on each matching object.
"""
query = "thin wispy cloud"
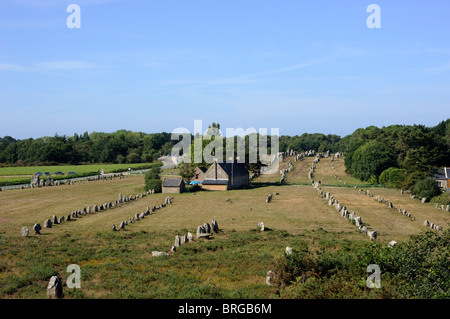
(12, 67)
(65, 65)
(243, 78)
(439, 69)
(48, 66)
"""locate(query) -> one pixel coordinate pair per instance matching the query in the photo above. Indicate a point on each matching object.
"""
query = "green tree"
(187, 171)
(371, 159)
(153, 180)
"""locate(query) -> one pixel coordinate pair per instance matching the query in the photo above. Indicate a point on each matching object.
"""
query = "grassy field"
(79, 169)
(231, 264)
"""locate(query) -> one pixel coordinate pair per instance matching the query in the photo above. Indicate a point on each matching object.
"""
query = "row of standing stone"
(203, 231)
(357, 220)
(404, 212)
(50, 222)
(139, 216)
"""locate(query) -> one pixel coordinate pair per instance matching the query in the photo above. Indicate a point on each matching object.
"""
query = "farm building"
(199, 174)
(443, 178)
(173, 185)
(225, 176)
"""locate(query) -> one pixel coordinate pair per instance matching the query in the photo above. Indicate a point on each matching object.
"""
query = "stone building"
(225, 176)
(173, 185)
(199, 174)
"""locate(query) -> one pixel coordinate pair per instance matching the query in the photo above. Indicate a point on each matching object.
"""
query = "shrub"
(393, 177)
(443, 199)
(193, 188)
(427, 188)
(153, 180)
(418, 268)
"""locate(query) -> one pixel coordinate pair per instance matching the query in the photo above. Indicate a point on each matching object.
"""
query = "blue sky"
(153, 66)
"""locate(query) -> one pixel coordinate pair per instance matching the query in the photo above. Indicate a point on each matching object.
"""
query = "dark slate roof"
(215, 182)
(238, 168)
(442, 173)
(172, 182)
(202, 168)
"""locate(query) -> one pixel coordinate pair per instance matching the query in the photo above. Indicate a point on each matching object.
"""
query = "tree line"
(119, 147)
(395, 155)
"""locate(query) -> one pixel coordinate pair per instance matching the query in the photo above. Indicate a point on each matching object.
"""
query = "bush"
(427, 188)
(193, 188)
(443, 199)
(393, 177)
(153, 180)
(371, 159)
(417, 268)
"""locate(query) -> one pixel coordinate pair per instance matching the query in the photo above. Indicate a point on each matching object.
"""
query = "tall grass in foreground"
(230, 265)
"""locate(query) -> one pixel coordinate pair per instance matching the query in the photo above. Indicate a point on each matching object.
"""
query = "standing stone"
(177, 241)
(48, 182)
(288, 250)
(392, 243)
(68, 218)
(142, 215)
(61, 219)
(37, 229)
(352, 216)
(120, 198)
(25, 231)
(114, 227)
(48, 223)
(358, 221)
(200, 231)
(207, 227)
(215, 226)
(190, 237)
(270, 278)
(55, 220)
(54, 288)
(261, 225)
(184, 239)
(424, 200)
(122, 225)
(159, 253)
(372, 235)
(34, 180)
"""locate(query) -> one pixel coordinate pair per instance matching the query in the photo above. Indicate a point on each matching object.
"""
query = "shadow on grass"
(267, 184)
